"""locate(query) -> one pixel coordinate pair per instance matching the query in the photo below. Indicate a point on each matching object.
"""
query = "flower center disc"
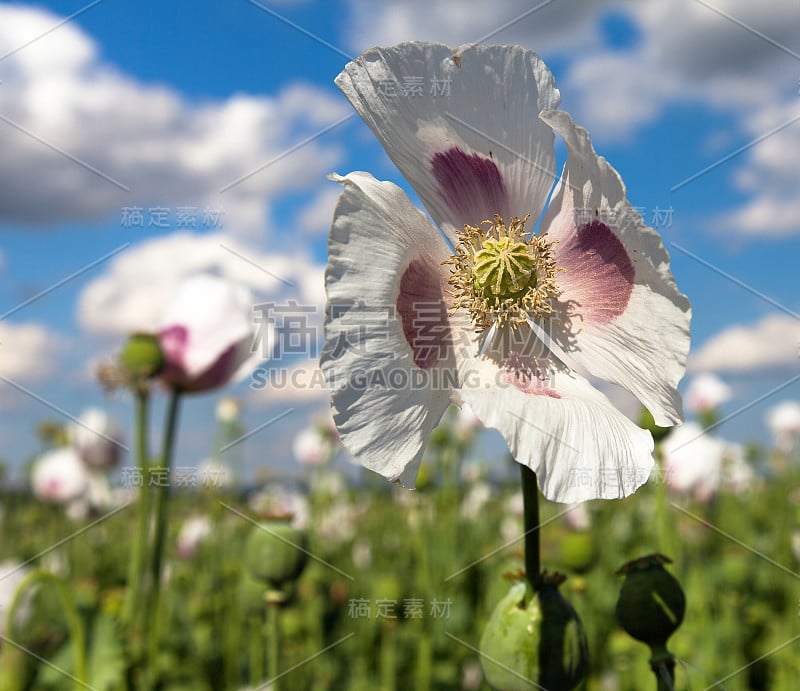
(501, 274)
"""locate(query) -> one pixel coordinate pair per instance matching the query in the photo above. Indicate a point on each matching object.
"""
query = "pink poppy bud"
(207, 335)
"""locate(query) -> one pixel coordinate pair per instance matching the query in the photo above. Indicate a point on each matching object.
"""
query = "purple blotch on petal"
(599, 273)
(423, 312)
(471, 185)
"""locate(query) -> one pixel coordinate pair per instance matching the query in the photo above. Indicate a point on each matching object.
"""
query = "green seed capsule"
(142, 356)
(275, 552)
(534, 637)
(651, 602)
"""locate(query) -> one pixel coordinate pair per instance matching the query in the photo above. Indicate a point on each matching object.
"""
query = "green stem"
(664, 527)
(274, 644)
(73, 617)
(665, 674)
(137, 567)
(255, 627)
(530, 497)
(160, 513)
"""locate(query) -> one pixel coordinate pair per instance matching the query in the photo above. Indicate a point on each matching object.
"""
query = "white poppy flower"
(96, 438)
(693, 461)
(59, 476)
(207, 334)
(705, 393)
(784, 423)
(312, 446)
(480, 310)
(194, 531)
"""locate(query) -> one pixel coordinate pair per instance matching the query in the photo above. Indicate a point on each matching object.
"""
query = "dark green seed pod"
(275, 552)
(651, 602)
(142, 357)
(534, 637)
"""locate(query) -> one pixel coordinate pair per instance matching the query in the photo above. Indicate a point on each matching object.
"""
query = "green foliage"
(402, 585)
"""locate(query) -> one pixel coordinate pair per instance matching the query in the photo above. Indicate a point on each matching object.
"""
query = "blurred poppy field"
(395, 587)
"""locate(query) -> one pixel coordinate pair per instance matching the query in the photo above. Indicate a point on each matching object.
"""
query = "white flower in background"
(475, 501)
(12, 573)
(473, 472)
(313, 445)
(737, 474)
(516, 504)
(282, 501)
(213, 473)
(496, 317)
(337, 524)
(784, 422)
(60, 476)
(208, 334)
(97, 439)
(228, 409)
(330, 483)
(361, 554)
(193, 533)
(578, 518)
(693, 461)
(706, 392)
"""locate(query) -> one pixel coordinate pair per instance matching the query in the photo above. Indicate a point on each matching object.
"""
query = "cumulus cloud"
(131, 293)
(769, 177)
(450, 21)
(770, 343)
(107, 141)
(291, 383)
(28, 352)
(315, 219)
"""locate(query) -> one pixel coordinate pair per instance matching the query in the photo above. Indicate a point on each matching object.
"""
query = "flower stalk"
(530, 497)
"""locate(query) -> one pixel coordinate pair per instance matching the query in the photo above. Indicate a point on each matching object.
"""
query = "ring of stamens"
(502, 274)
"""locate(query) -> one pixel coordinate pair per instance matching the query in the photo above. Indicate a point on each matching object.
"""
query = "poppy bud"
(534, 637)
(275, 552)
(651, 602)
(142, 357)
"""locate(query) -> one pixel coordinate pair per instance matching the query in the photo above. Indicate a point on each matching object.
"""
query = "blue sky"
(176, 100)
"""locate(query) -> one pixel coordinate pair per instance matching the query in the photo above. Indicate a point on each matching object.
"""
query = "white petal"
(478, 150)
(217, 315)
(566, 431)
(382, 406)
(622, 317)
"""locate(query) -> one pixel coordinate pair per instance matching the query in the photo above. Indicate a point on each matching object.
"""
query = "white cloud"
(769, 177)
(28, 352)
(454, 23)
(166, 150)
(315, 219)
(773, 342)
(300, 383)
(136, 284)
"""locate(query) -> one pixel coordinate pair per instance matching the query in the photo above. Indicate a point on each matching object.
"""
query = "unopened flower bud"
(275, 552)
(534, 637)
(142, 356)
(651, 602)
